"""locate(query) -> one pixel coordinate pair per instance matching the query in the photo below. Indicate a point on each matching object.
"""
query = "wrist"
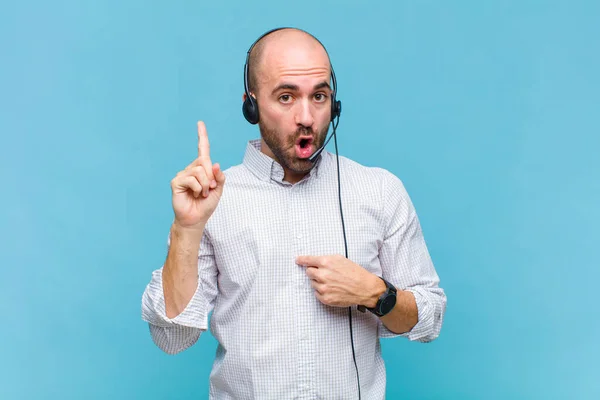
(375, 288)
(193, 232)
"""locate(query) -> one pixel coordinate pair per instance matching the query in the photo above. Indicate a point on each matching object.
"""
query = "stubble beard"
(283, 147)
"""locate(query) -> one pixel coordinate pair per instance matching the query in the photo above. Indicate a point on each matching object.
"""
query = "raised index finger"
(203, 145)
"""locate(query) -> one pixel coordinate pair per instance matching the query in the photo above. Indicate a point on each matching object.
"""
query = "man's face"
(294, 99)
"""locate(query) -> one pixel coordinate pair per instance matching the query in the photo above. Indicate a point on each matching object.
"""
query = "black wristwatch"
(386, 301)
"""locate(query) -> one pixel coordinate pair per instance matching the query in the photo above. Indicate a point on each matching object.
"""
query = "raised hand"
(197, 189)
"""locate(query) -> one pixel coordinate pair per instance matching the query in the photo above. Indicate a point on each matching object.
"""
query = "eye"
(285, 98)
(320, 97)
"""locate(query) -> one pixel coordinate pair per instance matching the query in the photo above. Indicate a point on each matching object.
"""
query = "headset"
(252, 115)
(250, 107)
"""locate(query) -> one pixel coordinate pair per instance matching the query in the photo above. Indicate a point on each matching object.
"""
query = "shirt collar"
(266, 168)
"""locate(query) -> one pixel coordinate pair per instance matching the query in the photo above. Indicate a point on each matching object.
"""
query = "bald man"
(262, 246)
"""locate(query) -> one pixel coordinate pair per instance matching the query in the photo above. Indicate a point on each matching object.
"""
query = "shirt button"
(298, 236)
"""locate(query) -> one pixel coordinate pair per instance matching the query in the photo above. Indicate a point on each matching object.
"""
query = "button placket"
(298, 222)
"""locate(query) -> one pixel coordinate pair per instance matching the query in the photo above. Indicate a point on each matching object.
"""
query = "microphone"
(320, 149)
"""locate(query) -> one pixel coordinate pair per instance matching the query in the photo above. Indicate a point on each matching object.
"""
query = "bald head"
(286, 44)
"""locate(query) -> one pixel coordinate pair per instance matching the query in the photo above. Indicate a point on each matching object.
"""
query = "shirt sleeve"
(406, 263)
(173, 335)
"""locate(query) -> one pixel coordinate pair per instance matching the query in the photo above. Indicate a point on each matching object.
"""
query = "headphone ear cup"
(250, 110)
(336, 109)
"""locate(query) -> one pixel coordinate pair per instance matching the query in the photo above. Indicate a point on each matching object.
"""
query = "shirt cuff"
(194, 315)
(424, 322)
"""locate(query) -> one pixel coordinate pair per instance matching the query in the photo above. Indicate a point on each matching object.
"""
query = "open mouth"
(304, 142)
(304, 147)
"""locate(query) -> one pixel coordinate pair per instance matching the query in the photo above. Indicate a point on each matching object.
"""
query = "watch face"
(388, 304)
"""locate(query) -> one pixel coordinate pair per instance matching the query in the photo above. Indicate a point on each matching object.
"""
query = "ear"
(244, 96)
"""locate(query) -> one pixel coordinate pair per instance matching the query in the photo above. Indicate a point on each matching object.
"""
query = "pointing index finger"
(308, 261)
(203, 145)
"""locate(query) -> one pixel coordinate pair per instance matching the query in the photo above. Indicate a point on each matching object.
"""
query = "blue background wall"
(488, 111)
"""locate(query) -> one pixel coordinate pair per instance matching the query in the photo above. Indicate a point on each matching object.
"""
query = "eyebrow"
(322, 85)
(290, 86)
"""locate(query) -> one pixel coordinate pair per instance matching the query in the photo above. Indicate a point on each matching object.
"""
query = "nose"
(304, 114)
